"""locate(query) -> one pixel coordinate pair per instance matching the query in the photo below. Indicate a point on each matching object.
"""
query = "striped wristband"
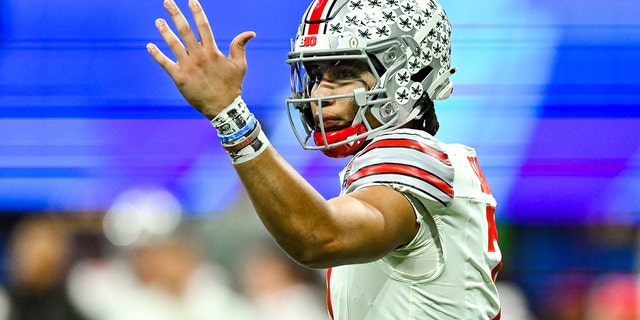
(240, 132)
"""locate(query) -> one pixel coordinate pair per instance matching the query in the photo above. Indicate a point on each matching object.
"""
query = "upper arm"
(369, 223)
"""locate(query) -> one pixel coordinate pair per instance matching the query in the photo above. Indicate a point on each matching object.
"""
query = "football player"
(412, 234)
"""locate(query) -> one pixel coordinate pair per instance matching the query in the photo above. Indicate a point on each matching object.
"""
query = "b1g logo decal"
(310, 41)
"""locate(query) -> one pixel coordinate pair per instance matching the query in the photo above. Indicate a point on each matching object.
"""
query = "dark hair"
(428, 120)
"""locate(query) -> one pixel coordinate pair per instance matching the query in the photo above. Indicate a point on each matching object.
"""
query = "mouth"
(330, 122)
(332, 125)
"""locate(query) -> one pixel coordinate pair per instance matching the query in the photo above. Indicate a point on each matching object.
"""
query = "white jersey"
(448, 270)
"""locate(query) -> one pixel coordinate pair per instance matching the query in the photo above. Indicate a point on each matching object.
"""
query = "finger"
(237, 50)
(171, 39)
(164, 61)
(182, 25)
(202, 24)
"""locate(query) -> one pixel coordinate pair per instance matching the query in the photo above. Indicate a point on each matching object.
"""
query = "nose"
(323, 89)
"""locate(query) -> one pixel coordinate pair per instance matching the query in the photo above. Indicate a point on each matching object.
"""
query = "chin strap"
(337, 136)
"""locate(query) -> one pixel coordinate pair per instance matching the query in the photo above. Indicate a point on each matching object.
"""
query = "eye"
(347, 74)
(314, 80)
(316, 77)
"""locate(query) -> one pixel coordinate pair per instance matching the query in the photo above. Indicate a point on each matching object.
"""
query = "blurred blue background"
(547, 92)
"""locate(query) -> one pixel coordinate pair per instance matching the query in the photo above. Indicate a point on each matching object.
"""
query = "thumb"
(237, 48)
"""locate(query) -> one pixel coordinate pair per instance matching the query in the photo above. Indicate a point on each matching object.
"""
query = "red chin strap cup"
(340, 135)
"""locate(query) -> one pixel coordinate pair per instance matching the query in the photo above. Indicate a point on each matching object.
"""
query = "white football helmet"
(405, 44)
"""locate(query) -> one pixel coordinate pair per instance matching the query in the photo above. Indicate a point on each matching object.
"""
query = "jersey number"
(491, 220)
(493, 231)
(491, 210)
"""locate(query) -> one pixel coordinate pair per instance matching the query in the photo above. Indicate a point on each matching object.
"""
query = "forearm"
(295, 214)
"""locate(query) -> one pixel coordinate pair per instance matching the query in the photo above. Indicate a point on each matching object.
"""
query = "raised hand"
(207, 78)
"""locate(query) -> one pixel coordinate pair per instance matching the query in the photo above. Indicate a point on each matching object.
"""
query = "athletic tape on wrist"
(240, 132)
(232, 118)
(244, 141)
(253, 148)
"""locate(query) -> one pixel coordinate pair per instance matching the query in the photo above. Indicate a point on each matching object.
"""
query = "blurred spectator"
(614, 297)
(39, 252)
(160, 276)
(158, 280)
(280, 288)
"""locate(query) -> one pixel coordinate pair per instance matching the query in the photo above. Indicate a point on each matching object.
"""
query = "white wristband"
(239, 132)
(232, 118)
(251, 151)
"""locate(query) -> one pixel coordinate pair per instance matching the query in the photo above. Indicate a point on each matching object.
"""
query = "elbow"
(314, 254)
(314, 260)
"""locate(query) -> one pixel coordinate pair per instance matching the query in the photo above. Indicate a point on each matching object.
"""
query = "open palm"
(207, 78)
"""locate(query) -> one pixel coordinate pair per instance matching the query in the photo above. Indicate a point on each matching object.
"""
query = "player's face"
(336, 78)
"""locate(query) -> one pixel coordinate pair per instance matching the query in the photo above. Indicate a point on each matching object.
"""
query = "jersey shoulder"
(407, 160)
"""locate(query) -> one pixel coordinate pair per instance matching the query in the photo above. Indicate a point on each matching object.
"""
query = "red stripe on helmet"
(316, 16)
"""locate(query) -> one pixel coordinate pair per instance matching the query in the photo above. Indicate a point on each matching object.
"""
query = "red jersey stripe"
(405, 143)
(329, 305)
(404, 170)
